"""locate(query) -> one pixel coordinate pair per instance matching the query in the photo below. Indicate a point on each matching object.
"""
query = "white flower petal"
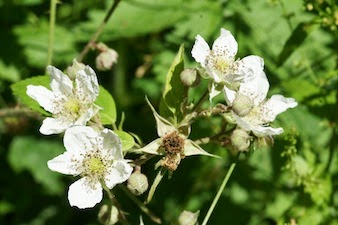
(276, 105)
(226, 42)
(60, 83)
(87, 86)
(84, 194)
(256, 89)
(229, 95)
(80, 139)
(52, 126)
(261, 131)
(111, 144)
(85, 117)
(200, 50)
(250, 67)
(42, 95)
(118, 173)
(64, 164)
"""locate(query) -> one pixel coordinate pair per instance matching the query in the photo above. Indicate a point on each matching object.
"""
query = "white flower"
(70, 104)
(97, 158)
(220, 62)
(260, 111)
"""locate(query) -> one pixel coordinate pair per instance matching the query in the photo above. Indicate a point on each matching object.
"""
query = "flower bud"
(190, 77)
(73, 69)
(108, 216)
(188, 218)
(240, 140)
(242, 105)
(137, 183)
(106, 59)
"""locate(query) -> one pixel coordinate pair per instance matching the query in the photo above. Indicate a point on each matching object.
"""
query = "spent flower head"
(173, 142)
(94, 156)
(252, 111)
(221, 64)
(70, 103)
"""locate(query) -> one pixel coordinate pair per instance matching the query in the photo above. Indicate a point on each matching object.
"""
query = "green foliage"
(19, 90)
(174, 94)
(31, 154)
(108, 108)
(127, 140)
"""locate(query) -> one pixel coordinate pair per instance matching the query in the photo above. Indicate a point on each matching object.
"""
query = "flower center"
(96, 165)
(219, 62)
(255, 116)
(172, 143)
(73, 106)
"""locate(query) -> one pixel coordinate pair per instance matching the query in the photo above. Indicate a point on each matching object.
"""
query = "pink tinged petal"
(118, 173)
(87, 86)
(249, 67)
(53, 126)
(60, 83)
(256, 89)
(42, 95)
(64, 163)
(261, 131)
(84, 194)
(276, 105)
(80, 139)
(226, 42)
(200, 50)
(111, 144)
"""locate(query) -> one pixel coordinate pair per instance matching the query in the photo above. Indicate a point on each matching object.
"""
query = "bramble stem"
(98, 31)
(52, 16)
(152, 216)
(220, 190)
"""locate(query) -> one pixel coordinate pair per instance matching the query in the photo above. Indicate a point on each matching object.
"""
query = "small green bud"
(73, 69)
(242, 105)
(240, 140)
(137, 183)
(107, 215)
(188, 218)
(190, 77)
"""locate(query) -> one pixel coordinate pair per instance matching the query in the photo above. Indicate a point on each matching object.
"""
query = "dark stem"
(98, 31)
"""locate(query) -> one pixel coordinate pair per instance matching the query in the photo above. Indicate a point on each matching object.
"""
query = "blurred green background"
(295, 180)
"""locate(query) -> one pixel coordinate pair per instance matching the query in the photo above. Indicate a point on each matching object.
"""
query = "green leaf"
(107, 103)
(19, 90)
(9, 72)
(174, 91)
(127, 140)
(296, 39)
(28, 153)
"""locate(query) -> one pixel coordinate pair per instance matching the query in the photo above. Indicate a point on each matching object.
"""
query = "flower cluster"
(95, 156)
(245, 87)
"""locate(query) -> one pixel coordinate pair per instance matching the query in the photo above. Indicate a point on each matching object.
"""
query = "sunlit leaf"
(127, 140)
(108, 108)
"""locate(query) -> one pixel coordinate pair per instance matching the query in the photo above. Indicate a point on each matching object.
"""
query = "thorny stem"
(115, 203)
(51, 31)
(152, 216)
(220, 190)
(98, 31)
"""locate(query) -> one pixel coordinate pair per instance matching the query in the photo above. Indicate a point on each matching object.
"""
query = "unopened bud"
(240, 140)
(108, 215)
(190, 77)
(188, 218)
(73, 69)
(242, 105)
(106, 59)
(137, 183)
